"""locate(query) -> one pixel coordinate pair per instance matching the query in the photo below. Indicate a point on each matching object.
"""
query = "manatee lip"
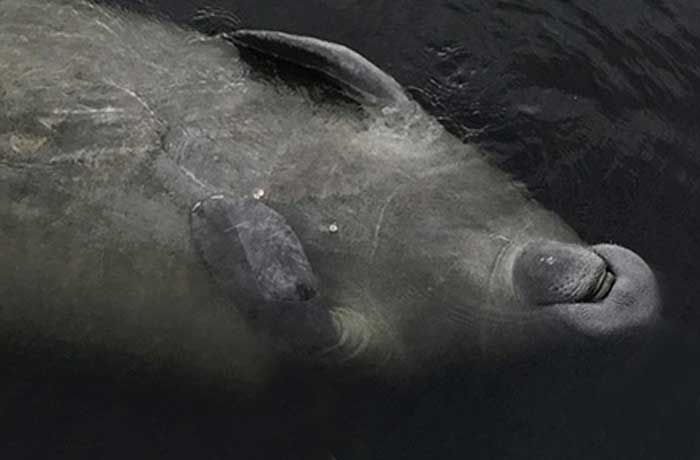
(602, 287)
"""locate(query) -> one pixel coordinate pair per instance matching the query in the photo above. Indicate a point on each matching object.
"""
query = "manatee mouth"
(550, 272)
(602, 288)
(604, 291)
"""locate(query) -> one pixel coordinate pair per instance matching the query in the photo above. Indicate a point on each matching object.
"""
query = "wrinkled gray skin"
(113, 126)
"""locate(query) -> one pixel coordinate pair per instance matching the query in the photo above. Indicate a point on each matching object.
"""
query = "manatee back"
(107, 138)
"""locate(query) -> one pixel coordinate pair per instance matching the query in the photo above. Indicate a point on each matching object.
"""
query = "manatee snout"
(549, 272)
(599, 290)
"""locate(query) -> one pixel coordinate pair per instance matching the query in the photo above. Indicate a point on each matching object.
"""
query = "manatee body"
(164, 203)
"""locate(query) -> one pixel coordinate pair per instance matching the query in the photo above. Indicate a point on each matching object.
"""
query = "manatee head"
(423, 294)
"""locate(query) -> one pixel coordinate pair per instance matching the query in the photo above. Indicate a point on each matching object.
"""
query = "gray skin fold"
(413, 252)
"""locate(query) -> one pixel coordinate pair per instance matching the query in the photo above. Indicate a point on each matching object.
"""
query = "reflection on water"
(593, 105)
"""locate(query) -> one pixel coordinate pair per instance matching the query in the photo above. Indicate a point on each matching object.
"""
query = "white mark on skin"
(389, 110)
(82, 156)
(233, 227)
(548, 260)
(101, 115)
(217, 197)
(193, 178)
(500, 237)
(106, 113)
(196, 206)
(26, 144)
(69, 35)
(87, 111)
(151, 64)
(48, 123)
(138, 99)
(446, 169)
(380, 221)
(333, 228)
(106, 27)
(528, 109)
(85, 4)
(258, 193)
(203, 39)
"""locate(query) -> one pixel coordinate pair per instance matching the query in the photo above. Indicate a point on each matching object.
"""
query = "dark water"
(593, 104)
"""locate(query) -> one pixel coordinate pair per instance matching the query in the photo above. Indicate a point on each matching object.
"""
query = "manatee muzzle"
(550, 272)
(602, 291)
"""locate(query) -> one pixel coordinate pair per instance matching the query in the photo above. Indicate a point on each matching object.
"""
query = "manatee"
(165, 203)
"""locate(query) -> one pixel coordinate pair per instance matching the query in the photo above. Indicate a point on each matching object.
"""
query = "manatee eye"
(305, 292)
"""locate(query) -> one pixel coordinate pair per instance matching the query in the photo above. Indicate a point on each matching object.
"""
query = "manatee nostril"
(551, 272)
